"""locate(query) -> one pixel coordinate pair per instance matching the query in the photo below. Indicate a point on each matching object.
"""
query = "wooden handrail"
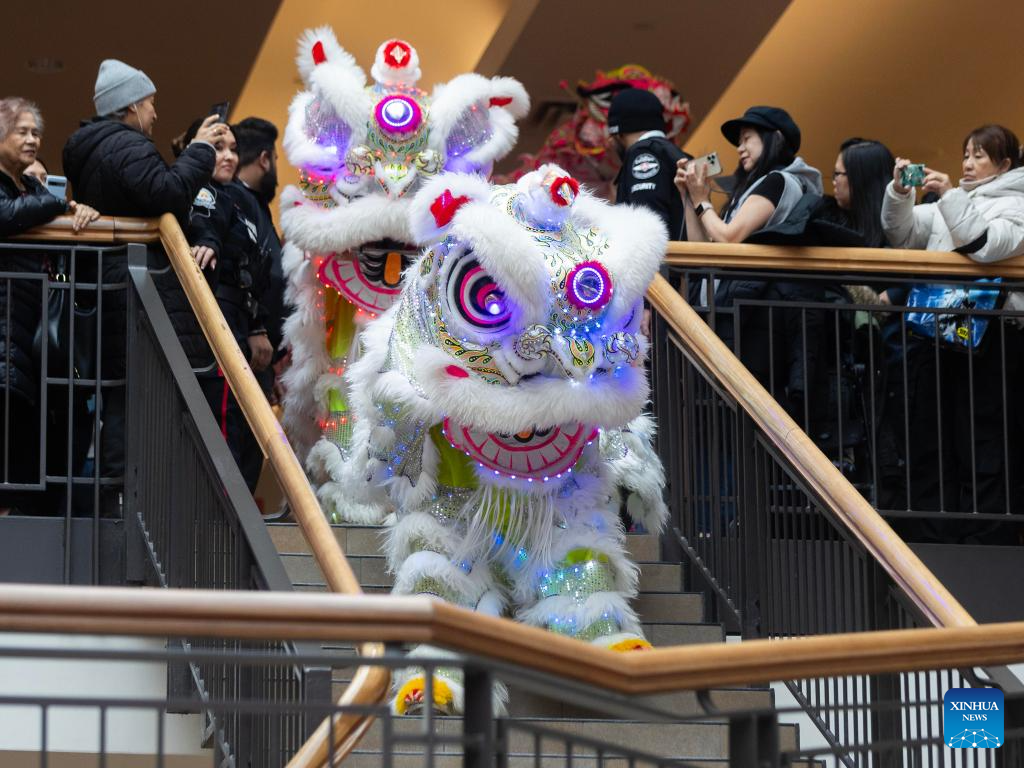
(107, 230)
(817, 473)
(370, 684)
(341, 618)
(851, 260)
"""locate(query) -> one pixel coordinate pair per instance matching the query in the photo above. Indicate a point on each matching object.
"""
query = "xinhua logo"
(972, 718)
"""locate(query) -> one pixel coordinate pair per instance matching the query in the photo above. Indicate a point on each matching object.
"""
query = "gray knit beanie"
(119, 85)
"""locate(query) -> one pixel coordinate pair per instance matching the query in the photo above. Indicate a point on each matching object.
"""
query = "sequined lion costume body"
(361, 150)
(499, 404)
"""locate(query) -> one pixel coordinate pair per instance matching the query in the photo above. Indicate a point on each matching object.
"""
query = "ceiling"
(696, 44)
(917, 74)
(194, 65)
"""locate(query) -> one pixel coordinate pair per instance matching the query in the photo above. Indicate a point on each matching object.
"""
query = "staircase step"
(705, 738)
(365, 540)
(670, 607)
(371, 570)
(681, 704)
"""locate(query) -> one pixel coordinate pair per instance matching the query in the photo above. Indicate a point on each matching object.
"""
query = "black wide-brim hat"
(770, 118)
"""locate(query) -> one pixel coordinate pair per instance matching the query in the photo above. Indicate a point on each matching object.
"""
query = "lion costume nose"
(575, 357)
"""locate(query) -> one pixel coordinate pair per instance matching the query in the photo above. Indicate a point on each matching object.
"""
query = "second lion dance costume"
(495, 407)
(361, 149)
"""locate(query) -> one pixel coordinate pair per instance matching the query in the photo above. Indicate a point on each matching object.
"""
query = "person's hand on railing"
(81, 216)
(204, 256)
(261, 350)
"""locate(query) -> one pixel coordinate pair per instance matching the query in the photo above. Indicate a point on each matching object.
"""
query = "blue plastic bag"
(960, 330)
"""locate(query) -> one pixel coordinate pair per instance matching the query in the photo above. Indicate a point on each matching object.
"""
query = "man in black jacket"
(636, 126)
(113, 166)
(257, 182)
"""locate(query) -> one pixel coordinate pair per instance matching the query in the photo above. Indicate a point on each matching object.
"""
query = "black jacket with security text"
(647, 179)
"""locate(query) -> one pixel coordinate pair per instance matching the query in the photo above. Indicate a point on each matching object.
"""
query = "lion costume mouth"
(531, 454)
(369, 277)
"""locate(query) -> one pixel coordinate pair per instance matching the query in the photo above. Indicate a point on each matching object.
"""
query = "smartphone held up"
(912, 175)
(711, 163)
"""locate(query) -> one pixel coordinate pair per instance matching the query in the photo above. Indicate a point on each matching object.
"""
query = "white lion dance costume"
(360, 150)
(498, 409)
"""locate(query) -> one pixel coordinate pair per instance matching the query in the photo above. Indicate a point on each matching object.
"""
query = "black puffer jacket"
(223, 218)
(20, 211)
(119, 172)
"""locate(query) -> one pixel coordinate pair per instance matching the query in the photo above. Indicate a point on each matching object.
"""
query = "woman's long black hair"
(869, 167)
(776, 154)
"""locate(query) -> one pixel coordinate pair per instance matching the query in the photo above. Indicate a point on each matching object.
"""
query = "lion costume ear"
(330, 117)
(318, 47)
(436, 205)
(473, 120)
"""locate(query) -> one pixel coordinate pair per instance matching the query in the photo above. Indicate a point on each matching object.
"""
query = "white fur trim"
(411, 531)
(541, 402)
(639, 472)
(468, 587)
(637, 240)
(384, 73)
(585, 614)
(363, 220)
(337, 57)
(451, 101)
(422, 224)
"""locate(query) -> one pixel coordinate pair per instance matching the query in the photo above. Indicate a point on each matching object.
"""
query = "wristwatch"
(702, 208)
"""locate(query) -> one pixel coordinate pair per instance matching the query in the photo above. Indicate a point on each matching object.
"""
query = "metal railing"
(927, 427)
(60, 478)
(202, 529)
(623, 729)
(181, 516)
(771, 526)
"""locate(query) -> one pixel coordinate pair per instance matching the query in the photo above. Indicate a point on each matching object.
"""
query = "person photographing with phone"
(977, 408)
(779, 346)
(114, 166)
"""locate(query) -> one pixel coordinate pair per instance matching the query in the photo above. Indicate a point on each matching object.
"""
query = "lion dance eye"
(588, 286)
(477, 296)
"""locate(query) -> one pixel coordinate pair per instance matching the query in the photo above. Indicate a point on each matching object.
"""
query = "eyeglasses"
(838, 173)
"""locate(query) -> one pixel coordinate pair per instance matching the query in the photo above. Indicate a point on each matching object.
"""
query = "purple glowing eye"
(477, 297)
(399, 114)
(588, 286)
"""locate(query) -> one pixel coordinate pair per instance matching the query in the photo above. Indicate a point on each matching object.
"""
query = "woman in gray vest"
(771, 185)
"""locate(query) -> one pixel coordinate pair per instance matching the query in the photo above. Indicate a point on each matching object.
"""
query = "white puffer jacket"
(985, 224)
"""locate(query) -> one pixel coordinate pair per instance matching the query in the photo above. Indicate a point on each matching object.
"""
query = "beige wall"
(915, 74)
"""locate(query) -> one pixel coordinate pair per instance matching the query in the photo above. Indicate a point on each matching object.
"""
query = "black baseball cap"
(634, 109)
(771, 118)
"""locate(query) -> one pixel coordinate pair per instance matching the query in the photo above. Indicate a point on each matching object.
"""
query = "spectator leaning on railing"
(770, 189)
(222, 231)
(982, 218)
(24, 203)
(113, 165)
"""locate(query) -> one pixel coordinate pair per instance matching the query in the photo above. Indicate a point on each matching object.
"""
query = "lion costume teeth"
(498, 406)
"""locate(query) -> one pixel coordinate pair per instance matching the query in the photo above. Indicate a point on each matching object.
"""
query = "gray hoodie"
(800, 179)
